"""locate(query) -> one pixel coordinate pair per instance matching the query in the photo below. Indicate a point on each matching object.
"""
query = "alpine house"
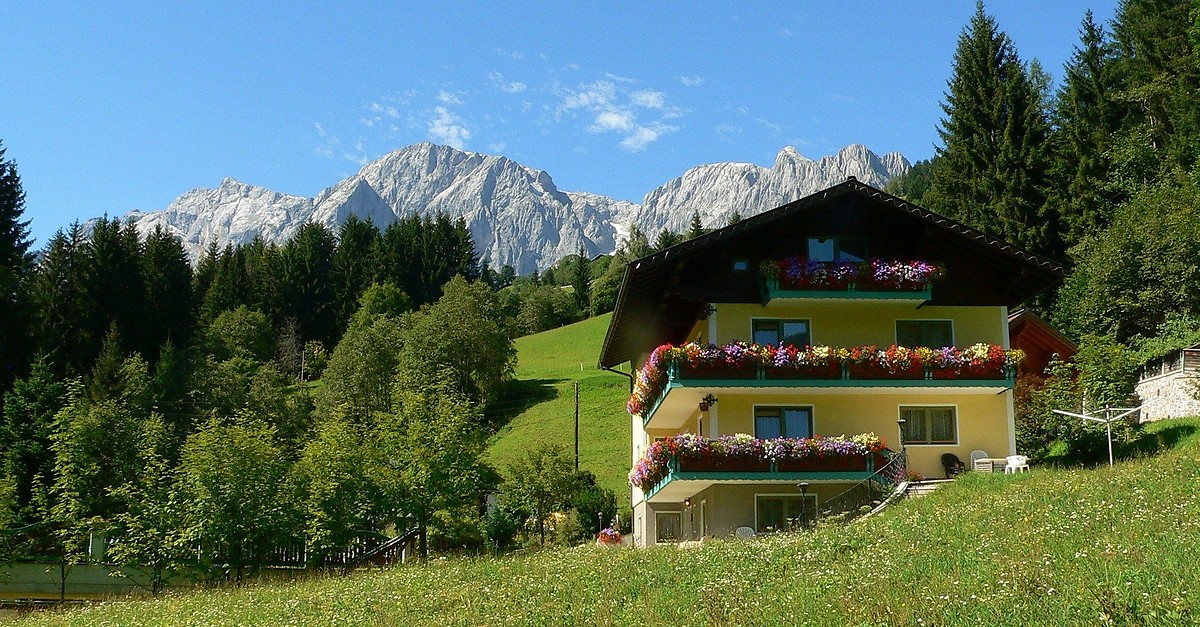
(794, 361)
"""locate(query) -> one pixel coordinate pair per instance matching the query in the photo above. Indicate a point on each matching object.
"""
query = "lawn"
(1055, 546)
(541, 406)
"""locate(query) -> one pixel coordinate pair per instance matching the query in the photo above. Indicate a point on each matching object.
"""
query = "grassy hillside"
(542, 403)
(1064, 547)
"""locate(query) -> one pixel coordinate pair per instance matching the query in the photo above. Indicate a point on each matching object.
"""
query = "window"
(775, 332)
(930, 333)
(668, 527)
(782, 512)
(783, 422)
(837, 249)
(741, 265)
(930, 425)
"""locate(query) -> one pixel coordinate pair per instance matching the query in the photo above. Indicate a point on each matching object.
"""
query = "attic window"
(741, 265)
(837, 249)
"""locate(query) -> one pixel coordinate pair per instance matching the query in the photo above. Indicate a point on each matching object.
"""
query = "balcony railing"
(752, 365)
(875, 279)
(772, 289)
(742, 458)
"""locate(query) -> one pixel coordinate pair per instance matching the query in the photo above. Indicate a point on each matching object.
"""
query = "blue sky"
(113, 106)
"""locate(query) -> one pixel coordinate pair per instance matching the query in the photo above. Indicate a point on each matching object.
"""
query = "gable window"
(776, 332)
(837, 249)
(783, 422)
(783, 512)
(930, 333)
(930, 425)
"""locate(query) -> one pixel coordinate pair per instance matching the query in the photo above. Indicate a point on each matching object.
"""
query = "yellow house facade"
(754, 360)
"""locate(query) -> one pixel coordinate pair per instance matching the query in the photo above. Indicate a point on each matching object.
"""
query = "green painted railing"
(852, 468)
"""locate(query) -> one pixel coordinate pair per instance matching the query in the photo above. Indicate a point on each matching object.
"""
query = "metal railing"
(867, 494)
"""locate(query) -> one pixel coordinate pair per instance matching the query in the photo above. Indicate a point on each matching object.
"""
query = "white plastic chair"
(1016, 463)
(977, 455)
(744, 532)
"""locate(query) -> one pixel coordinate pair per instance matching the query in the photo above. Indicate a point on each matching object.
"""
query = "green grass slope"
(1052, 547)
(542, 406)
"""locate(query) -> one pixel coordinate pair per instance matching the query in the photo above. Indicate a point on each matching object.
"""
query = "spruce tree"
(990, 171)
(63, 305)
(696, 229)
(16, 265)
(1156, 47)
(1086, 118)
(170, 311)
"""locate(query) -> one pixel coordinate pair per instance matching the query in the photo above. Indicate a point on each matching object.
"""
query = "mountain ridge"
(517, 215)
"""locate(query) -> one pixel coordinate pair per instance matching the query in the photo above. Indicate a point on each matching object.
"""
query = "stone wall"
(1172, 395)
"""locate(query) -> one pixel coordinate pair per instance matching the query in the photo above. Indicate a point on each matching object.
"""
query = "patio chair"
(952, 464)
(1016, 463)
(744, 532)
(977, 456)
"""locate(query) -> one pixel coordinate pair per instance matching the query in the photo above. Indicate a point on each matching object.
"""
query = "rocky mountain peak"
(516, 214)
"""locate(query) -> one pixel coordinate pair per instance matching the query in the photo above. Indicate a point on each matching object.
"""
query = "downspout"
(623, 374)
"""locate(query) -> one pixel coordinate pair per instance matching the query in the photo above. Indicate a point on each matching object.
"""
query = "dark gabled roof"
(663, 294)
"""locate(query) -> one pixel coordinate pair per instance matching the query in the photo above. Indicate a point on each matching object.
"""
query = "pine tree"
(16, 265)
(63, 305)
(1087, 118)
(1159, 60)
(696, 229)
(306, 285)
(169, 315)
(990, 172)
(353, 269)
(581, 280)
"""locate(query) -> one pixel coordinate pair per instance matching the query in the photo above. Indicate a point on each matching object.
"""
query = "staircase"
(921, 488)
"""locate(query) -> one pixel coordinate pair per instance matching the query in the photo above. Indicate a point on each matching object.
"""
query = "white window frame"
(896, 328)
(812, 414)
(811, 496)
(675, 513)
(957, 434)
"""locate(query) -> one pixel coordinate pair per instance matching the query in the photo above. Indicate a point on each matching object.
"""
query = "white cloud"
(647, 98)
(324, 152)
(598, 95)
(320, 129)
(691, 81)
(390, 111)
(619, 78)
(785, 32)
(514, 87)
(497, 147)
(643, 136)
(613, 120)
(448, 98)
(447, 128)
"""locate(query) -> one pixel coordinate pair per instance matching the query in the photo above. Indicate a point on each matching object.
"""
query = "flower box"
(828, 371)
(822, 463)
(718, 371)
(725, 464)
(879, 371)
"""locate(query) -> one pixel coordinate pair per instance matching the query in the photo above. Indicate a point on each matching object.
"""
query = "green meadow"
(1093, 546)
(541, 403)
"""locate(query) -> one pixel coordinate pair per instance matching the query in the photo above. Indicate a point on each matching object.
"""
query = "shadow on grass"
(516, 397)
(1149, 442)
(1155, 442)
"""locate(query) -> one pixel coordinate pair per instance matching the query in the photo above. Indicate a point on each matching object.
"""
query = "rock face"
(720, 189)
(516, 214)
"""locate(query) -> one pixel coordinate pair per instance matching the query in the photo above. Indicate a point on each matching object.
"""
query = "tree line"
(1099, 174)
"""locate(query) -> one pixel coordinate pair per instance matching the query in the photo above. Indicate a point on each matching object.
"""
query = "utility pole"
(576, 426)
